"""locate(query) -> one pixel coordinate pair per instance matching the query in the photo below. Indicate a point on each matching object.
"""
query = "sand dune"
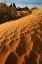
(21, 41)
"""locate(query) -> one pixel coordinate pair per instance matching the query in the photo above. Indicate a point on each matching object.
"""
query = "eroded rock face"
(11, 59)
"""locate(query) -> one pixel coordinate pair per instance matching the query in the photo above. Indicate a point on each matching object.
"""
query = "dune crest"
(21, 41)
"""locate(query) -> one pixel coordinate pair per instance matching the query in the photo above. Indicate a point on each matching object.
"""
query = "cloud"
(23, 2)
(30, 5)
(0, 0)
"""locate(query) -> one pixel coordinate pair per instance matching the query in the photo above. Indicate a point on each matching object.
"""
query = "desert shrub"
(13, 12)
(6, 12)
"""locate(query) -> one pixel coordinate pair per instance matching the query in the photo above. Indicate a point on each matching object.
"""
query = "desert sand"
(21, 41)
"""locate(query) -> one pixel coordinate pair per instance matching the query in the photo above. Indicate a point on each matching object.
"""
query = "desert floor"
(21, 41)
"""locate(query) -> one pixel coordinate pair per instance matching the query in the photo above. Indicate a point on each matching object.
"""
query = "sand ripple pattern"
(21, 41)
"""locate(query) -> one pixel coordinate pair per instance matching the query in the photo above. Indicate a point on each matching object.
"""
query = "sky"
(23, 3)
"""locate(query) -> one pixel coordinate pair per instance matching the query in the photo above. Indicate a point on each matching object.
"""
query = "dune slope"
(21, 41)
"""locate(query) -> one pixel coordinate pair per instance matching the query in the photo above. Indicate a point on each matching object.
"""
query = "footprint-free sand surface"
(21, 41)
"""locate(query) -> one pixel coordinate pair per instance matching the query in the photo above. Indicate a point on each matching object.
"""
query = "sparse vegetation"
(38, 11)
(7, 12)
